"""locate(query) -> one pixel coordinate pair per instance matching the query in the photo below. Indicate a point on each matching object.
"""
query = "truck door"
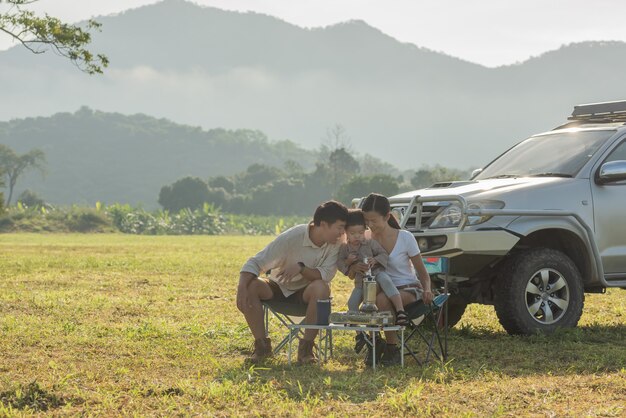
(609, 204)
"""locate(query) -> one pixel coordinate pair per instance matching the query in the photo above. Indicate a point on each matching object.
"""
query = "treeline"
(265, 190)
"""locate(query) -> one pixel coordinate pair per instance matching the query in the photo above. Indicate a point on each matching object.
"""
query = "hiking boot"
(305, 352)
(391, 355)
(359, 342)
(262, 350)
(380, 347)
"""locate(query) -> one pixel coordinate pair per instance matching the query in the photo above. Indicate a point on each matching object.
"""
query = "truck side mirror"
(611, 172)
(476, 172)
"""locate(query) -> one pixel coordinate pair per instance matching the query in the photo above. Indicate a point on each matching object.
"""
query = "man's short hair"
(330, 212)
(355, 217)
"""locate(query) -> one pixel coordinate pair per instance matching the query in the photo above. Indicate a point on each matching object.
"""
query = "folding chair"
(419, 315)
(432, 314)
(285, 313)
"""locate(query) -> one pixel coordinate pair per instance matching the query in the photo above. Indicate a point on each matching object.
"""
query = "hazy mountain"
(96, 156)
(408, 105)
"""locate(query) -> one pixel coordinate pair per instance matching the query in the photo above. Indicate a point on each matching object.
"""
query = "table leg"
(402, 347)
(289, 348)
(331, 342)
(374, 351)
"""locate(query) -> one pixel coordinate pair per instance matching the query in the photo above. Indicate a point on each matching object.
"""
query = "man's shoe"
(359, 342)
(391, 355)
(262, 350)
(305, 352)
(380, 347)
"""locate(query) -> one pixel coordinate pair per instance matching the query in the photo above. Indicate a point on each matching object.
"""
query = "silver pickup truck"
(536, 228)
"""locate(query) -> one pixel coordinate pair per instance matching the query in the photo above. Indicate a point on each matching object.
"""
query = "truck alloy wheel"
(547, 296)
(539, 290)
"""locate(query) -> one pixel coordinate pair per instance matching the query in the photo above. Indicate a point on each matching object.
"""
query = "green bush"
(47, 219)
(126, 219)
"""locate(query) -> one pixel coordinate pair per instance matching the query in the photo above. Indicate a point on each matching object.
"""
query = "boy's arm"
(379, 253)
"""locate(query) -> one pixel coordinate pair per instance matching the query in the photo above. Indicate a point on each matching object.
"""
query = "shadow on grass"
(474, 354)
(32, 397)
(582, 350)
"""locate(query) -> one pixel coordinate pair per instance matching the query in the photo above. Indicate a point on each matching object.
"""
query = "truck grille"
(428, 214)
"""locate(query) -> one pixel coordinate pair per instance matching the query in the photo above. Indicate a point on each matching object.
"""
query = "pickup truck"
(535, 229)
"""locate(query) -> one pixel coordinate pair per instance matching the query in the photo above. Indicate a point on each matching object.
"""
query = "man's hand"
(351, 259)
(287, 275)
(372, 262)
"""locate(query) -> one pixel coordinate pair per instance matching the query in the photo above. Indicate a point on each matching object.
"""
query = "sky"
(487, 32)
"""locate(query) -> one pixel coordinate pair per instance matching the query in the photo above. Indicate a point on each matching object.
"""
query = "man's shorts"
(278, 296)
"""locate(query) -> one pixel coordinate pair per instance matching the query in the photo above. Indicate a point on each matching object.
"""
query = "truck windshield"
(560, 154)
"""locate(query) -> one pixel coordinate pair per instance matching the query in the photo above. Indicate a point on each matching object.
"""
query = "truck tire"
(539, 291)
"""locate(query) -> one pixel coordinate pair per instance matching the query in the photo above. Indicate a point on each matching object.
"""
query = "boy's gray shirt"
(369, 248)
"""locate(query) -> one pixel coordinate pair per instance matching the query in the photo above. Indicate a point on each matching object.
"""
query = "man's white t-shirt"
(399, 267)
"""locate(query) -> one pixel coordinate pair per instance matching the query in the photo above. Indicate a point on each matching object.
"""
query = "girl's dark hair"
(380, 204)
(355, 217)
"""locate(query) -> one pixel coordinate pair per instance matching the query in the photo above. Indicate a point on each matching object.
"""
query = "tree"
(427, 176)
(223, 183)
(256, 175)
(30, 199)
(360, 186)
(341, 168)
(188, 192)
(336, 159)
(1, 194)
(39, 34)
(14, 165)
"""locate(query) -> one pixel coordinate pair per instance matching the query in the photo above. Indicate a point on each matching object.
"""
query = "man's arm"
(342, 264)
(264, 260)
(269, 257)
(328, 268)
(295, 269)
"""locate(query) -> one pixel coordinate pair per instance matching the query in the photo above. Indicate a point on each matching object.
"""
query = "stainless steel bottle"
(369, 292)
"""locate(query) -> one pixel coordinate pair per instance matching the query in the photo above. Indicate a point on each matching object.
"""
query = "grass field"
(138, 325)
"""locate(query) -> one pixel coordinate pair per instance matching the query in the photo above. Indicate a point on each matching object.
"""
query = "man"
(302, 261)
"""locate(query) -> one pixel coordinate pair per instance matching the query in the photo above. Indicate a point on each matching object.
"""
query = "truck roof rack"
(600, 112)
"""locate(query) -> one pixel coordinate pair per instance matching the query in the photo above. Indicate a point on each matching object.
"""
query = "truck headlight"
(451, 215)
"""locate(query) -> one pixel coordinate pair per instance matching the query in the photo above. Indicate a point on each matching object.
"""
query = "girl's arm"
(424, 278)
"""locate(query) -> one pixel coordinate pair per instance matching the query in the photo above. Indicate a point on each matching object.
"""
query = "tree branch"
(66, 40)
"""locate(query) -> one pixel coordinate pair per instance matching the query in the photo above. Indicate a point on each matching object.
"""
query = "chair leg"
(285, 320)
(432, 342)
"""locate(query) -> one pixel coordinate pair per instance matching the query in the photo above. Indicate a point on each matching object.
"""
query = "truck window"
(618, 153)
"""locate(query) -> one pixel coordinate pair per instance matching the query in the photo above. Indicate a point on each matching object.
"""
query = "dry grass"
(125, 325)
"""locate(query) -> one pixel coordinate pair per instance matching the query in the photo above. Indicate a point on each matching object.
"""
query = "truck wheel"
(539, 290)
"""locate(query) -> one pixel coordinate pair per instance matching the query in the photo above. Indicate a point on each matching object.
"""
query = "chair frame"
(284, 318)
(432, 314)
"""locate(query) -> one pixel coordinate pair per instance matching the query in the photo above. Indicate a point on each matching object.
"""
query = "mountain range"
(216, 69)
